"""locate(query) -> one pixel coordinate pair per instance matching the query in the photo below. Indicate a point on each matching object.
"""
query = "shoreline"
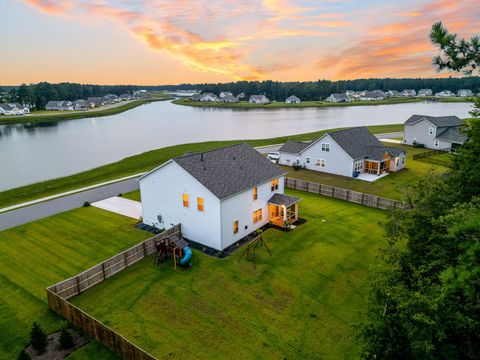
(75, 115)
(314, 104)
(144, 162)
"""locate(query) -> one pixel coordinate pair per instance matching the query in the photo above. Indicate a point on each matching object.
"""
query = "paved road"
(48, 208)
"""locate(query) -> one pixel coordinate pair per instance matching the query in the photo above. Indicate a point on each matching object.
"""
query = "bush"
(23, 355)
(66, 338)
(297, 166)
(38, 338)
(418, 145)
(86, 203)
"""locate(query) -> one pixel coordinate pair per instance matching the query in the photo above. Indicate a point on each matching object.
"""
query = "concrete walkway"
(122, 206)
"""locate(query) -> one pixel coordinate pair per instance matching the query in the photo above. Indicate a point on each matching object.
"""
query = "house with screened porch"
(354, 152)
(219, 196)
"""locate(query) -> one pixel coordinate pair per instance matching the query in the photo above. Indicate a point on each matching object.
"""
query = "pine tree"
(66, 338)
(23, 355)
(38, 338)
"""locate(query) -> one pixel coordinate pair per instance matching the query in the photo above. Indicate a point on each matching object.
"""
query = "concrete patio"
(122, 206)
(370, 177)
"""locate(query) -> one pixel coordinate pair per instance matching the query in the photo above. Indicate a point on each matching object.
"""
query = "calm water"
(31, 153)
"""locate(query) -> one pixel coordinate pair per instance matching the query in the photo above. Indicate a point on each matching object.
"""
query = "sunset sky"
(167, 42)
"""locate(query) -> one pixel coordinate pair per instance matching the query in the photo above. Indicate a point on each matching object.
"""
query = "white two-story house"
(219, 196)
(349, 152)
(434, 132)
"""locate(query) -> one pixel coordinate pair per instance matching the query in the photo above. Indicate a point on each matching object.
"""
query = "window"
(326, 147)
(430, 131)
(288, 161)
(185, 200)
(257, 216)
(307, 160)
(320, 162)
(436, 143)
(200, 204)
(274, 184)
(358, 165)
(255, 193)
(235, 227)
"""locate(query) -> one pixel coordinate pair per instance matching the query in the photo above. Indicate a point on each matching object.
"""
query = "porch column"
(378, 168)
(284, 213)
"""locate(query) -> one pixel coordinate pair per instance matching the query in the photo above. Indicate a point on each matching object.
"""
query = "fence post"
(125, 259)
(320, 189)
(348, 193)
(78, 284)
(103, 271)
(376, 204)
(361, 199)
(333, 191)
(144, 249)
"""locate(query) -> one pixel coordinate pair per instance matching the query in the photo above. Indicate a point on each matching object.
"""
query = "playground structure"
(251, 246)
(176, 248)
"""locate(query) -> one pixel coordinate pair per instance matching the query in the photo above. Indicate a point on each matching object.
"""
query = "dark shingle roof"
(452, 134)
(359, 143)
(282, 199)
(439, 121)
(229, 170)
(295, 147)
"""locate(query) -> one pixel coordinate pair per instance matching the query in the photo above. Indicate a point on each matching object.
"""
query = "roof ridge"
(207, 151)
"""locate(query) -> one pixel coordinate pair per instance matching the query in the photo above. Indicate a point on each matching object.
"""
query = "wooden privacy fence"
(344, 194)
(429, 157)
(59, 294)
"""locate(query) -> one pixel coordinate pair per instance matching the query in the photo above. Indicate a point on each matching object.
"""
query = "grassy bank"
(299, 303)
(139, 163)
(39, 254)
(306, 104)
(45, 116)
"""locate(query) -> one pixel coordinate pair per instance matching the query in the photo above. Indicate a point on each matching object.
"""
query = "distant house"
(196, 97)
(292, 99)
(126, 97)
(445, 93)
(338, 97)
(409, 92)
(372, 96)
(241, 96)
(63, 105)
(381, 93)
(80, 104)
(6, 109)
(95, 102)
(111, 98)
(208, 97)
(225, 93)
(219, 196)
(349, 152)
(465, 93)
(141, 94)
(258, 99)
(425, 92)
(349, 93)
(394, 93)
(229, 98)
(21, 109)
(434, 132)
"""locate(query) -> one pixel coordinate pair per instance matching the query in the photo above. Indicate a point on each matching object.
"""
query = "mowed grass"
(143, 162)
(393, 186)
(44, 252)
(300, 303)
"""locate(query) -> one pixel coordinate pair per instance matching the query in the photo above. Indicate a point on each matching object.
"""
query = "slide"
(187, 257)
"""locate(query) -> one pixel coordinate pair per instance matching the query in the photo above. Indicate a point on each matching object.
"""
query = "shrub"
(86, 203)
(38, 338)
(297, 166)
(66, 338)
(23, 355)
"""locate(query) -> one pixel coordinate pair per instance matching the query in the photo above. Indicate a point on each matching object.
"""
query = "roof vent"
(201, 156)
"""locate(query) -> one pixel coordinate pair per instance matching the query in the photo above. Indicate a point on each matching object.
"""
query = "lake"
(31, 153)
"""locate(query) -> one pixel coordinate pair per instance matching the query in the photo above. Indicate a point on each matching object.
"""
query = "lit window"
(430, 131)
(235, 227)
(255, 193)
(307, 160)
(200, 204)
(320, 162)
(326, 147)
(274, 185)
(185, 200)
(257, 216)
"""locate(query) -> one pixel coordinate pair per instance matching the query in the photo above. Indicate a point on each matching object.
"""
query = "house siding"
(241, 207)
(420, 132)
(162, 193)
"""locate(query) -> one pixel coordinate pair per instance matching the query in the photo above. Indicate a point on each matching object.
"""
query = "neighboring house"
(337, 97)
(225, 93)
(111, 98)
(435, 132)
(219, 196)
(258, 99)
(80, 104)
(141, 94)
(196, 97)
(349, 93)
(425, 92)
(344, 152)
(208, 97)
(229, 99)
(394, 93)
(465, 93)
(292, 99)
(445, 93)
(59, 105)
(372, 96)
(381, 93)
(6, 109)
(409, 92)
(19, 109)
(126, 97)
(241, 96)
(95, 102)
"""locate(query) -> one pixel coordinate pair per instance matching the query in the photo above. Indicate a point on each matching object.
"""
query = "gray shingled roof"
(439, 121)
(229, 170)
(360, 143)
(294, 147)
(282, 199)
(452, 134)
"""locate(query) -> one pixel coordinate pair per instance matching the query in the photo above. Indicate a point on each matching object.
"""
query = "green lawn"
(392, 186)
(53, 116)
(299, 303)
(142, 162)
(47, 251)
